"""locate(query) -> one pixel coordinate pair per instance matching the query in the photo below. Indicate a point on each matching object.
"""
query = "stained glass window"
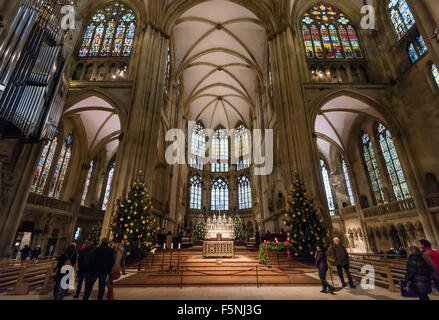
(347, 181)
(401, 16)
(327, 33)
(420, 45)
(77, 233)
(195, 192)
(61, 166)
(328, 189)
(87, 183)
(372, 168)
(242, 147)
(220, 151)
(393, 164)
(108, 187)
(416, 48)
(435, 73)
(198, 147)
(244, 193)
(412, 52)
(405, 27)
(219, 195)
(43, 167)
(110, 32)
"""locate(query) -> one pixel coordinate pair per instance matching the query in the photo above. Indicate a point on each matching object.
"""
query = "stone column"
(77, 202)
(359, 210)
(15, 200)
(297, 152)
(139, 145)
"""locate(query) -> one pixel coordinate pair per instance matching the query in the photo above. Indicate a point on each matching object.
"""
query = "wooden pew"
(21, 278)
(387, 272)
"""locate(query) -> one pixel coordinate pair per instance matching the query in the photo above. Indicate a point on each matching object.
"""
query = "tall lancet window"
(328, 34)
(61, 167)
(220, 151)
(347, 181)
(110, 32)
(435, 73)
(219, 195)
(87, 183)
(393, 165)
(404, 24)
(198, 147)
(195, 192)
(372, 168)
(108, 186)
(242, 147)
(43, 168)
(244, 193)
(401, 16)
(328, 189)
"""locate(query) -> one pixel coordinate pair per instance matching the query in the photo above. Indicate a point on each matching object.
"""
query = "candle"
(172, 246)
(179, 246)
(164, 246)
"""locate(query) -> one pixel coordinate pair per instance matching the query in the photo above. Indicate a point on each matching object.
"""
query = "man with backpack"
(84, 265)
(101, 265)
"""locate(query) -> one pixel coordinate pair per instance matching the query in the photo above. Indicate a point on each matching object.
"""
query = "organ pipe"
(32, 61)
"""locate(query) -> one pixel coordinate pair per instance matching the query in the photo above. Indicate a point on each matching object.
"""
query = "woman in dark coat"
(418, 274)
(322, 267)
(67, 258)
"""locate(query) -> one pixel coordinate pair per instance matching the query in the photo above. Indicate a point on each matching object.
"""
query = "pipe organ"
(33, 58)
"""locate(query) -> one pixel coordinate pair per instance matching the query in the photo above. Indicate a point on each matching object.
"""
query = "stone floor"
(238, 293)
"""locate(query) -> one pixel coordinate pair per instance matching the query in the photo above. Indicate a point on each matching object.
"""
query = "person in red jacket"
(432, 258)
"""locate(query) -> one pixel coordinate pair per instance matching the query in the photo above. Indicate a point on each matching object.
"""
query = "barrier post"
(45, 289)
(392, 287)
(257, 277)
(21, 287)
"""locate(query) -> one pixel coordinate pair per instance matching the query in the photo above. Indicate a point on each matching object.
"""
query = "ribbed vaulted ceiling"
(335, 120)
(219, 49)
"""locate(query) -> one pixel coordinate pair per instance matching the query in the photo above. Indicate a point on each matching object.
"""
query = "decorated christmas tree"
(133, 221)
(305, 227)
(200, 230)
(238, 227)
(95, 234)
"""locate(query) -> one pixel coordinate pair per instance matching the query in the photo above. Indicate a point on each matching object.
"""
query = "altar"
(220, 226)
(218, 249)
(219, 237)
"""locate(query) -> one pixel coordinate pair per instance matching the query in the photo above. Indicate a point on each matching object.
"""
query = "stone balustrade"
(48, 202)
(91, 213)
(98, 69)
(348, 211)
(432, 200)
(338, 72)
(393, 207)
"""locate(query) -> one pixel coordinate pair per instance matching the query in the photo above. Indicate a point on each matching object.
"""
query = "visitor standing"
(67, 258)
(24, 253)
(322, 267)
(35, 253)
(432, 258)
(84, 258)
(418, 274)
(341, 258)
(115, 272)
(101, 264)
